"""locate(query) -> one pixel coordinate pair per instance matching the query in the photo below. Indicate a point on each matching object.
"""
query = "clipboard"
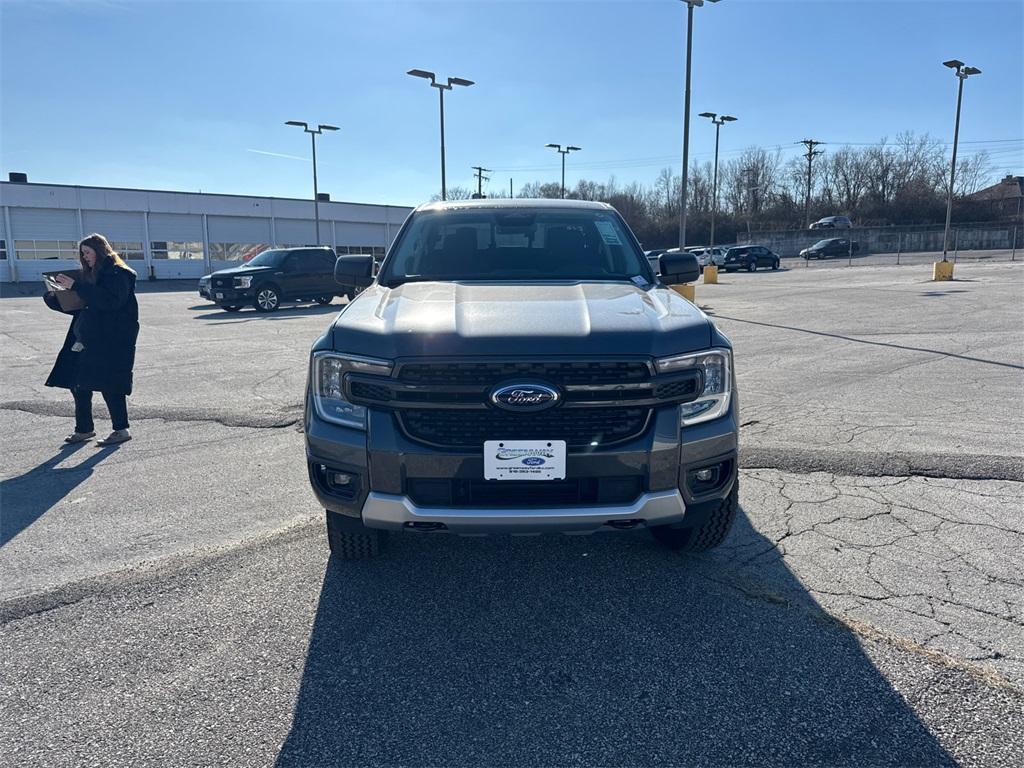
(69, 301)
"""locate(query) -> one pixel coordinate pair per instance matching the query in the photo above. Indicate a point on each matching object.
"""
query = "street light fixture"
(563, 153)
(962, 73)
(718, 121)
(690, 5)
(312, 135)
(441, 88)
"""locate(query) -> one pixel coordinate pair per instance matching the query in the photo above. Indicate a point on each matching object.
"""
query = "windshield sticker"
(639, 280)
(608, 233)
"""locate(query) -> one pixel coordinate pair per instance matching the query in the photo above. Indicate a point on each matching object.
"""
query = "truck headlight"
(328, 371)
(243, 282)
(714, 399)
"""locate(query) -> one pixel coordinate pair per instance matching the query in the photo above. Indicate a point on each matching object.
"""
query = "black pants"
(116, 404)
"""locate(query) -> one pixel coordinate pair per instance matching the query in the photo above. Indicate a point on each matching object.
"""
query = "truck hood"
(519, 319)
(242, 269)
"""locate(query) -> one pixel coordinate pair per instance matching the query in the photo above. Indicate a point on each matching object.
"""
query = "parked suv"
(833, 222)
(517, 367)
(833, 246)
(749, 257)
(274, 276)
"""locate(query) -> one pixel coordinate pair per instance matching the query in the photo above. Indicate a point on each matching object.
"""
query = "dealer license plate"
(524, 460)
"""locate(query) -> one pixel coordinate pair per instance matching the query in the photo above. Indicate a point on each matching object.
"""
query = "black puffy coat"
(108, 326)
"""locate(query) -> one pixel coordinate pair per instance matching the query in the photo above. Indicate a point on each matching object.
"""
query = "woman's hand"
(64, 281)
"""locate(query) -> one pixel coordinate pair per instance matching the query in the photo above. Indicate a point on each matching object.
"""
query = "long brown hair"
(103, 250)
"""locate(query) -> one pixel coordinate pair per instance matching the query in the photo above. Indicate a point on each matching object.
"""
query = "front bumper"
(383, 465)
(232, 295)
(391, 512)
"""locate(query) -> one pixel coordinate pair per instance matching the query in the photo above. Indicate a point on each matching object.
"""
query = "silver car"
(833, 222)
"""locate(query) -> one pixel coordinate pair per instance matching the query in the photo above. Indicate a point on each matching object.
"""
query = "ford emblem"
(525, 397)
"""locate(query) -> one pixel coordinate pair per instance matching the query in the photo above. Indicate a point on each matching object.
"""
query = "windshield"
(821, 243)
(266, 259)
(515, 244)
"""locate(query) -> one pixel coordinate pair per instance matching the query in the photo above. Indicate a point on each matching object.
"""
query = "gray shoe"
(115, 437)
(79, 437)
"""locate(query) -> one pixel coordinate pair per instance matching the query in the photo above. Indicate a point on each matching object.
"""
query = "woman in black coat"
(99, 350)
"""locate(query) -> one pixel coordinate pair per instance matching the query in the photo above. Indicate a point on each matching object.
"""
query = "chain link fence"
(884, 246)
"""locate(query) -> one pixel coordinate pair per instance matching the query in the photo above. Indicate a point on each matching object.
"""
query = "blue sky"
(194, 95)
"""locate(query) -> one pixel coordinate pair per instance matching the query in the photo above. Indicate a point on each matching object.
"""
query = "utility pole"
(690, 5)
(316, 192)
(962, 73)
(480, 179)
(714, 184)
(811, 152)
(563, 153)
(441, 88)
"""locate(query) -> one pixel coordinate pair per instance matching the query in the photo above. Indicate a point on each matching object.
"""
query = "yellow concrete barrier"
(686, 291)
(710, 274)
(942, 270)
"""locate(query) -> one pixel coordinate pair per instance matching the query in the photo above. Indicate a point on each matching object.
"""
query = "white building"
(173, 235)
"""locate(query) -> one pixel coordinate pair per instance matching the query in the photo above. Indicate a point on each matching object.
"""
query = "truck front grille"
(469, 429)
(495, 494)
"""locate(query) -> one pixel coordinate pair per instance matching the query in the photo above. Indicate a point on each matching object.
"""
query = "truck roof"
(519, 202)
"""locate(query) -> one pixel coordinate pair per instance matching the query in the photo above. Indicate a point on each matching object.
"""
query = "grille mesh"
(579, 427)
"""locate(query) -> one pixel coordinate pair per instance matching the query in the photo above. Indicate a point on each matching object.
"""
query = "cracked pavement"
(880, 539)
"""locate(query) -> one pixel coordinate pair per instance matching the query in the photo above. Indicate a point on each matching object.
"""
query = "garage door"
(124, 230)
(292, 233)
(354, 233)
(234, 239)
(177, 245)
(44, 239)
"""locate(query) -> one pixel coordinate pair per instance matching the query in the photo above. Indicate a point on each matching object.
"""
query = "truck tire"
(704, 537)
(267, 298)
(349, 544)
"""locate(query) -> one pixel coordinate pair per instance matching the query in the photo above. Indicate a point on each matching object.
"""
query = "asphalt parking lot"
(170, 601)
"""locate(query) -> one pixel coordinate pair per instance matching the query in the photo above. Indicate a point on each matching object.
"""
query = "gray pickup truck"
(517, 367)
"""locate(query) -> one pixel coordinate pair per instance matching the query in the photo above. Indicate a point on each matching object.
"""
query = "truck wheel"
(267, 298)
(704, 537)
(324, 300)
(352, 541)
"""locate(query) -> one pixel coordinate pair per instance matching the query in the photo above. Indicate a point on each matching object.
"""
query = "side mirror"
(678, 268)
(354, 270)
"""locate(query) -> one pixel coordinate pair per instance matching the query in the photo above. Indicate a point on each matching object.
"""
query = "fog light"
(340, 479)
(704, 474)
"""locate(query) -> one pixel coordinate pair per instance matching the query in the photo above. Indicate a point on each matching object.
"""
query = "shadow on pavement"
(605, 650)
(26, 498)
(248, 314)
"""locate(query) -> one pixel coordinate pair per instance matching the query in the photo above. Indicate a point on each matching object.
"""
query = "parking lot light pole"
(962, 73)
(316, 195)
(690, 5)
(714, 184)
(441, 88)
(563, 153)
